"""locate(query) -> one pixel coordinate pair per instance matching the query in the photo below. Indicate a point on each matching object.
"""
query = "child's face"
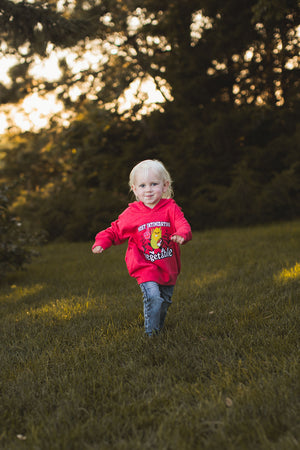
(149, 187)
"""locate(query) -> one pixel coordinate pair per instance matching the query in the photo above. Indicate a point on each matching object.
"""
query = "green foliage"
(73, 182)
(37, 23)
(208, 71)
(76, 215)
(241, 168)
(280, 198)
(229, 136)
(14, 242)
(249, 171)
(77, 371)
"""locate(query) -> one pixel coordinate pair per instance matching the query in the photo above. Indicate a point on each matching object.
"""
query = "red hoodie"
(151, 255)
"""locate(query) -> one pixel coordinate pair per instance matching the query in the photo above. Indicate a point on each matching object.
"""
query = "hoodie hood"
(139, 207)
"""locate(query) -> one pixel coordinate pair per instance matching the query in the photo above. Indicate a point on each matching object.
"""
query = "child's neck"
(151, 206)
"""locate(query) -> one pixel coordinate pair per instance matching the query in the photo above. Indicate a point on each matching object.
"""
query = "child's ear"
(133, 189)
(166, 186)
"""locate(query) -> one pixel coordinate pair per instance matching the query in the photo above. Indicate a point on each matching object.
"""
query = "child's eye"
(142, 185)
(154, 184)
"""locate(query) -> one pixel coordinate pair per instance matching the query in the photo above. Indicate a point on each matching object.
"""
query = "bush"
(14, 241)
(280, 198)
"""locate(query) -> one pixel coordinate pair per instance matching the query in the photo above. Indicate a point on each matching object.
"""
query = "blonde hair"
(158, 168)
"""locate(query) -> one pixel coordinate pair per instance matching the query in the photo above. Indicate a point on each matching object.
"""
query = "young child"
(154, 226)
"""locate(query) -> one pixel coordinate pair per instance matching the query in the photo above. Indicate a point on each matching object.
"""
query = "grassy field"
(77, 371)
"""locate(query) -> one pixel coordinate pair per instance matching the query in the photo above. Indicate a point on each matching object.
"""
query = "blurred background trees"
(226, 124)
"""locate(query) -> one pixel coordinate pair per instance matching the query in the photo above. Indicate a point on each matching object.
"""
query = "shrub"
(280, 198)
(14, 241)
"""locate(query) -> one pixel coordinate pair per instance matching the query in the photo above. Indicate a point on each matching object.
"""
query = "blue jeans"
(157, 299)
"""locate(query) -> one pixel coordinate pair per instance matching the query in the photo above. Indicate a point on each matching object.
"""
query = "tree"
(230, 93)
(197, 48)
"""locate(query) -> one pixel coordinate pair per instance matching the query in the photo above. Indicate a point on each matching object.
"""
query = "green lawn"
(77, 371)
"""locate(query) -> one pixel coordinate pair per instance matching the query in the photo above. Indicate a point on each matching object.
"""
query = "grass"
(77, 371)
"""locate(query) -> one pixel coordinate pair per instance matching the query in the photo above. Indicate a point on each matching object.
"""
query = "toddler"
(154, 225)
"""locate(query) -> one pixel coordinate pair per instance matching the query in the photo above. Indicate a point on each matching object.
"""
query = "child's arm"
(116, 234)
(111, 236)
(183, 231)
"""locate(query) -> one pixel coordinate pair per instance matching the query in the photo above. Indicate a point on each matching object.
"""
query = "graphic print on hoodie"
(151, 255)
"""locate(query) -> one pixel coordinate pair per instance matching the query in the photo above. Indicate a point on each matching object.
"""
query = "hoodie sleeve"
(182, 227)
(116, 234)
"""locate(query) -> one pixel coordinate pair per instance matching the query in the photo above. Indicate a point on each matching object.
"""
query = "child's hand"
(97, 249)
(177, 239)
